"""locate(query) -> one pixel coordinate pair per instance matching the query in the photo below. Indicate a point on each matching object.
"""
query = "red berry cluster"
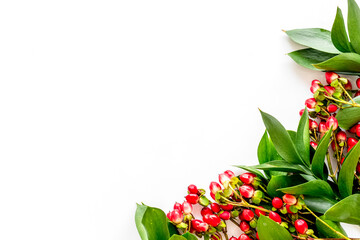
(323, 107)
(239, 200)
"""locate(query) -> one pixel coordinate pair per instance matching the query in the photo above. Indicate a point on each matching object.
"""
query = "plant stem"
(323, 222)
(330, 168)
(352, 100)
(343, 102)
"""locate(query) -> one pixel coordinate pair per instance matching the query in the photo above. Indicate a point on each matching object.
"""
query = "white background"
(105, 104)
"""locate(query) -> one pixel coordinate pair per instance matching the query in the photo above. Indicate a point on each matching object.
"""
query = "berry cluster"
(323, 107)
(239, 200)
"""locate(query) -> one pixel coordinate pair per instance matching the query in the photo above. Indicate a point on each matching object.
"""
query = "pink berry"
(289, 199)
(214, 187)
(301, 226)
(215, 207)
(177, 206)
(322, 127)
(332, 121)
(331, 76)
(301, 112)
(244, 237)
(341, 136)
(275, 217)
(225, 215)
(332, 108)
(212, 220)
(223, 178)
(247, 215)
(329, 91)
(244, 226)
(247, 191)
(313, 144)
(310, 103)
(259, 212)
(312, 125)
(175, 216)
(192, 198)
(229, 173)
(199, 225)
(247, 178)
(205, 211)
(277, 203)
(314, 85)
(193, 189)
(186, 208)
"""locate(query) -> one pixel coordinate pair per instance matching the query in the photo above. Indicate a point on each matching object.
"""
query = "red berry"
(244, 226)
(312, 125)
(348, 86)
(247, 178)
(314, 85)
(186, 208)
(177, 206)
(357, 94)
(247, 215)
(351, 143)
(358, 82)
(212, 196)
(223, 178)
(301, 111)
(301, 226)
(277, 203)
(259, 212)
(225, 215)
(193, 189)
(257, 236)
(227, 207)
(233, 238)
(212, 220)
(192, 198)
(313, 144)
(205, 211)
(289, 199)
(215, 207)
(214, 187)
(353, 128)
(244, 237)
(229, 173)
(310, 103)
(332, 108)
(332, 122)
(341, 136)
(322, 127)
(342, 160)
(358, 130)
(247, 191)
(175, 216)
(331, 76)
(329, 91)
(275, 217)
(199, 225)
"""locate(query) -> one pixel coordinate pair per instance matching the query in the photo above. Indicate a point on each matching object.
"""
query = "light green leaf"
(349, 116)
(278, 182)
(312, 188)
(177, 237)
(347, 210)
(270, 230)
(344, 62)
(307, 57)
(319, 204)
(354, 24)
(318, 162)
(189, 236)
(338, 33)
(346, 175)
(302, 141)
(326, 232)
(317, 38)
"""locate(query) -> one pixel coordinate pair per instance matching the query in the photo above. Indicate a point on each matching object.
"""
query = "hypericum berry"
(358, 82)
(257, 236)
(357, 94)
(288, 209)
(224, 179)
(289, 199)
(353, 128)
(322, 127)
(225, 215)
(247, 215)
(214, 187)
(192, 198)
(227, 207)
(215, 207)
(193, 189)
(177, 206)
(357, 130)
(332, 121)
(348, 86)
(229, 173)
(259, 212)
(331, 76)
(274, 216)
(277, 203)
(313, 144)
(341, 136)
(247, 178)
(244, 237)
(186, 208)
(233, 238)
(212, 220)
(199, 225)
(247, 191)
(312, 125)
(310, 103)
(351, 142)
(332, 108)
(314, 85)
(342, 160)
(205, 210)
(244, 226)
(301, 112)
(301, 226)
(329, 91)
(175, 216)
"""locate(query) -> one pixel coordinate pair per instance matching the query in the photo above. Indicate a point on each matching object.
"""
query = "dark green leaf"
(189, 236)
(354, 24)
(270, 230)
(172, 228)
(344, 62)
(283, 166)
(318, 162)
(302, 141)
(312, 188)
(151, 223)
(278, 182)
(347, 210)
(281, 139)
(316, 38)
(252, 170)
(326, 232)
(349, 116)
(338, 33)
(307, 57)
(319, 204)
(346, 175)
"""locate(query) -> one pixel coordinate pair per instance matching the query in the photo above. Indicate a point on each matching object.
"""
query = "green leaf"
(354, 24)
(172, 229)
(177, 237)
(346, 175)
(344, 62)
(338, 33)
(317, 38)
(278, 182)
(283, 166)
(318, 162)
(326, 232)
(151, 223)
(312, 188)
(252, 170)
(302, 141)
(319, 204)
(347, 210)
(189, 236)
(308, 56)
(348, 117)
(271, 230)
(281, 139)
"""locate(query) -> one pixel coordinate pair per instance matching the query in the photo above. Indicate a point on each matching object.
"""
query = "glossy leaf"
(151, 223)
(252, 170)
(270, 230)
(326, 232)
(281, 165)
(307, 57)
(318, 162)
(354, 24)
(177, 237)
(346, 176)
(312, 188)
(185, 236)
(348, 117)
(281, 139)
(278, 182)
(319, 204)
(302, 141)
(339, 36)
(266, 152)
(344, 62)
(347, 210)
(316, 38)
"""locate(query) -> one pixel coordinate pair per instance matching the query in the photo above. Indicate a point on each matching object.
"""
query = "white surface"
(108, 103)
